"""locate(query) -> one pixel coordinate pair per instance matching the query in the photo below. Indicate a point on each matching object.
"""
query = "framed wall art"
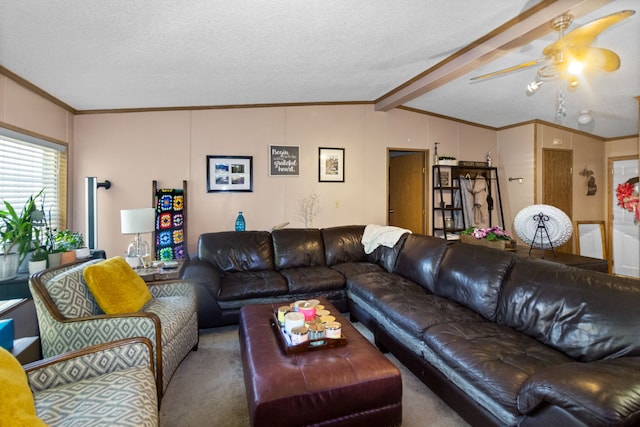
(229, 173)
(331, 164)
(284, 160)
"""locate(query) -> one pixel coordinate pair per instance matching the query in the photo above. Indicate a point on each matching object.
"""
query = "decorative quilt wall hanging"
(170, 224)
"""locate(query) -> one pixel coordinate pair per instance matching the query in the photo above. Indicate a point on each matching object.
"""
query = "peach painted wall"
(517, 153)
(132, 149)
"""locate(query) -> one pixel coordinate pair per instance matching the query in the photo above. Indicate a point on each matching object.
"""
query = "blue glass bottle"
(240, 224)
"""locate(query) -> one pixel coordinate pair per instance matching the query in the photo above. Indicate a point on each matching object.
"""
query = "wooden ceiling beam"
(517, 32)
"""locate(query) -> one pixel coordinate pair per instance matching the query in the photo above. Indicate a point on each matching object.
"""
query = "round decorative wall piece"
(531, 222)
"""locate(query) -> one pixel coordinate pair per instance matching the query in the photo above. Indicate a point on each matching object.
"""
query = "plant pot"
(83, 253)
(37, 266)
(8, 266)
(67, 257)
(54, 259)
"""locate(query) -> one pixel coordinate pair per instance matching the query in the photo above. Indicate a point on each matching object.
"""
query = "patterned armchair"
(70, 319)
(105, 385)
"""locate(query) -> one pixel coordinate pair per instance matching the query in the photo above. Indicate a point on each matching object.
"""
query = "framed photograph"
(331, 166)
(229, 173)
(284, 160)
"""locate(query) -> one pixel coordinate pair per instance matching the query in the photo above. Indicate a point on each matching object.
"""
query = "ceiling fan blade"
(604, 59)
(509, 69)
(587, 33)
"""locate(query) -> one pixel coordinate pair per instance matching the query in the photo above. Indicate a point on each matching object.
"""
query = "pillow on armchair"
(116, 287)
(15, 394)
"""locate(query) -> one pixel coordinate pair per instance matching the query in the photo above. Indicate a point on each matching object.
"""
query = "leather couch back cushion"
(343, 244)
(234, 251)
(387, 257)
(298, 247)
(420, 258)
(582, 313)
(473, 275)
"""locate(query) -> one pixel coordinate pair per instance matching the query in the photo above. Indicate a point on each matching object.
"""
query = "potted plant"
(447, 161)
(16, 237)
(38, 260)
(67, 241)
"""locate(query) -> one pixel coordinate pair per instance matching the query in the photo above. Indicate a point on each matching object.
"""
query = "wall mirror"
(590, 239)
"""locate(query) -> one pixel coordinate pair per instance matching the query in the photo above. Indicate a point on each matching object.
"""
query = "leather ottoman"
(351, 385)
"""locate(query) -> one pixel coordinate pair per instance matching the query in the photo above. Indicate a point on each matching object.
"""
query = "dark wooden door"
(407, 197)
(557, 184)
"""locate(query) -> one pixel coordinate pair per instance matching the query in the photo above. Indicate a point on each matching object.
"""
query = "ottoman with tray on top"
(349, 385)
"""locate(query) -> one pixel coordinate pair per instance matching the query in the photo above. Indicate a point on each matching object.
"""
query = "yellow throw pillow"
(116, 287)
(17, 407)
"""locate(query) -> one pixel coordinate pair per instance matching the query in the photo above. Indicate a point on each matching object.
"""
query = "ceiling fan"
(568, 56)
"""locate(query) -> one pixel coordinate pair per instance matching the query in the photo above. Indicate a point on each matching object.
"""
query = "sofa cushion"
(235, 251)
(420, 259)
(343, 244)
(298, 247)
(387, 257)
(408, 305)
(17, 405)
(252, 284)
(124, 398)
(116, 287)
(585, 314)
(70, 293)
(473, 276)
(349, 269)
(491, 359)
(312, 279)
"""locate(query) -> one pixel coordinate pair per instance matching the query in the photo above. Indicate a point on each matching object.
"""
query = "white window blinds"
(29, 165)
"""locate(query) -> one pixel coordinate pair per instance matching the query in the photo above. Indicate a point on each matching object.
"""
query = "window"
(29, 165)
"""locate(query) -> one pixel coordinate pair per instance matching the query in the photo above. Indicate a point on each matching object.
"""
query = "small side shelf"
(448, 217)
(447, 214)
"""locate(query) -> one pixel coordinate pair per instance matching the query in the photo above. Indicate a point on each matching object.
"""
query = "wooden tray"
(309, 345)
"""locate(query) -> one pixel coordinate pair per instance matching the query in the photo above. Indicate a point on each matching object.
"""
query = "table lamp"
(136, 221)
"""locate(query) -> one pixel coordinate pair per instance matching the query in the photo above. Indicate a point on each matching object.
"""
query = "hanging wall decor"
(331, 164)
(284, 160)
(229, 173)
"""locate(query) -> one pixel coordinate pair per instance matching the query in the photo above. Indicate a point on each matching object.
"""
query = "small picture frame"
(331, 164)
(284, 160)
(229, 173)
(444, 179)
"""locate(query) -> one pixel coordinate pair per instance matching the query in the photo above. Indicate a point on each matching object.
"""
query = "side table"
(26, 349)
(160, 274)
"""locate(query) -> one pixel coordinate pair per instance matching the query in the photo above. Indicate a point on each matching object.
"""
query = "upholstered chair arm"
(598, 393)
(171, 289)
(59, 336)
(89, 363)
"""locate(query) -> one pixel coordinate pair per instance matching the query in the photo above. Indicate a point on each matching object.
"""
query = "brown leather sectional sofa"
(502, 339)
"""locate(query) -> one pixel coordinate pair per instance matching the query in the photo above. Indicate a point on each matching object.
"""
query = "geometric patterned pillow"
(71, 295)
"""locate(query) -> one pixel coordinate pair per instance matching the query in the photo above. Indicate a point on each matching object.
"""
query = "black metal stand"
(542, 229)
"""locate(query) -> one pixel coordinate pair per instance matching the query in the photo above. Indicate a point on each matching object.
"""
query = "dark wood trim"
(33, 134)
(35, 89)
(220, 107)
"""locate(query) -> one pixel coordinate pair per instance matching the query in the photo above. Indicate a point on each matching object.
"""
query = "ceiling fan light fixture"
(585, 117)
(573, 81)
(534, 86)
(575, 67)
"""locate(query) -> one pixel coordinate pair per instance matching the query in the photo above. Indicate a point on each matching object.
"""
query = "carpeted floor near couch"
(208, 389)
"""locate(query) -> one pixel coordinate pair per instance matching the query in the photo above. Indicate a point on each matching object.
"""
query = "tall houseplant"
(16, 236)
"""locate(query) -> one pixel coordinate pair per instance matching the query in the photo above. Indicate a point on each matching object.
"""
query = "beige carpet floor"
(208, 389)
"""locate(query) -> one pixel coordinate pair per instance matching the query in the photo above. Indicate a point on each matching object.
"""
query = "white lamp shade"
(133, 221)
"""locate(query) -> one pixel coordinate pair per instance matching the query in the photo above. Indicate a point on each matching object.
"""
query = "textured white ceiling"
(96, 55)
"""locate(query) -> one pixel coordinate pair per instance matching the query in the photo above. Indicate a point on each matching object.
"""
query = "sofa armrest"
(604, 392)
(202, 273)
(90, 362)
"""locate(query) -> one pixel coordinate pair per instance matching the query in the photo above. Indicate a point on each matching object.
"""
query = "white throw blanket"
(377, 235)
